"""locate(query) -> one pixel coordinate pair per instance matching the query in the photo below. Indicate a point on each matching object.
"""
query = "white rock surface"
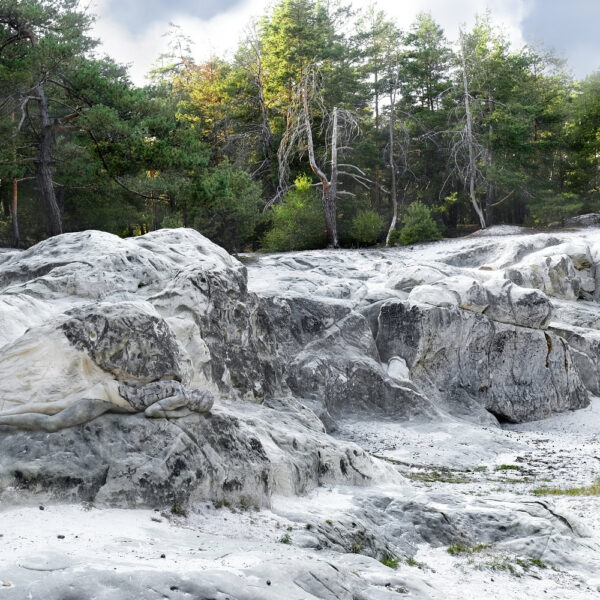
(292, 346)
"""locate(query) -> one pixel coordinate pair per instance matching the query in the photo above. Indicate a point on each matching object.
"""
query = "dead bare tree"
(466, 150)
(340, 127)
(393, 90)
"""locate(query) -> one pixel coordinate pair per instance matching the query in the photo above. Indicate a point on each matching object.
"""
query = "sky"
(132, 31)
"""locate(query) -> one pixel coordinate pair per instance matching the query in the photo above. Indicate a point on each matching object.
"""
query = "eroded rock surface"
(460, 329)
(161, 372)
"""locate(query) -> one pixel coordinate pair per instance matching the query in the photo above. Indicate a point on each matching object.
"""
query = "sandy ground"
(562, 451)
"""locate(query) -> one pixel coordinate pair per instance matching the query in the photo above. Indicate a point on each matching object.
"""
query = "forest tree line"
(327, 127)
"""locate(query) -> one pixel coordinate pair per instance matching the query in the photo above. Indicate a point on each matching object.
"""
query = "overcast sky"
(132, 30)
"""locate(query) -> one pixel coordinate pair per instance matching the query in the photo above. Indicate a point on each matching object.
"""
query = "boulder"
(498, 299)
(342, 370)
(238, 453)
(516, 373)
(588, 220)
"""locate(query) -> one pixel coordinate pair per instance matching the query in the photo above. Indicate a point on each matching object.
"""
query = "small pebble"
(41, 507)
(60, 537)
(163, 556)
(268, 582)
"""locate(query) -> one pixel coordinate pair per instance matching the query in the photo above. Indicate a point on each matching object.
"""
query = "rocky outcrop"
(342, 372)
(462, 356)
(165, 324)
(240, 454)
(157, 325)
(588, 220)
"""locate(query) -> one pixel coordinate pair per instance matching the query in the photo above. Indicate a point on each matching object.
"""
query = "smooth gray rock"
(127, 342)
(554, 275)
(498, 299)
(585, 350)
(234, 453)
(588, 220)
(461, 356)
(342, 369)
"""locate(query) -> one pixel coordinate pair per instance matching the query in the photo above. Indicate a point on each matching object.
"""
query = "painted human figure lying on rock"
(166, 399)
(118, 358)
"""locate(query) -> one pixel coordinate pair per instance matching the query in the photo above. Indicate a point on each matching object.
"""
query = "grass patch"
(412, 562)
(286, 539)
(178, 510)
(515, 566)
(502, 564)
(480, 469)
(590, 490)
(390, 561)
(440, 475)
(458, 549)
(508, 467)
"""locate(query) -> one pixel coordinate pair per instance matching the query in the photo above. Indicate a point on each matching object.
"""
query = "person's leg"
(174, 406)
(81, 412)
(181, 404)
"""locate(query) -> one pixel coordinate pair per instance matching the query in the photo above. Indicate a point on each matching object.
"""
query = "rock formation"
(163, 323)
(161, 372)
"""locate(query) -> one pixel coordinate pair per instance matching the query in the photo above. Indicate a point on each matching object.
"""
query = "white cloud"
(221, 34)
(218, 35)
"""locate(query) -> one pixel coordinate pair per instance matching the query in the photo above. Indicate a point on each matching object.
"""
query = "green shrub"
(347, 210)
(298, 222)
(550, 208)
(366, 227)
(394, 238)
(226, 207)
(418, 225)
(172, 221)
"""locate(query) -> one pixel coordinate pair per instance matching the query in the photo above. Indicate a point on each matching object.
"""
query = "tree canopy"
(320, 106)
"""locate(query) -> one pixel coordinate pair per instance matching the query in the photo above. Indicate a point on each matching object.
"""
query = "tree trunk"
(266, 133)
(376, 87)
(331, 199)
(393, 190)
(472, 166)
(43, 170)
(491, 192)
(329, 196)
(489, 205)
(13, 212)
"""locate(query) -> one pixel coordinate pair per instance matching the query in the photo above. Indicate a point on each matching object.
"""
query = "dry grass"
(591, 490)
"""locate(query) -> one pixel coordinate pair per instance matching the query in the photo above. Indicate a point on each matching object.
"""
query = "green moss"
(458, 549)
(508, 468)
(442, 475)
